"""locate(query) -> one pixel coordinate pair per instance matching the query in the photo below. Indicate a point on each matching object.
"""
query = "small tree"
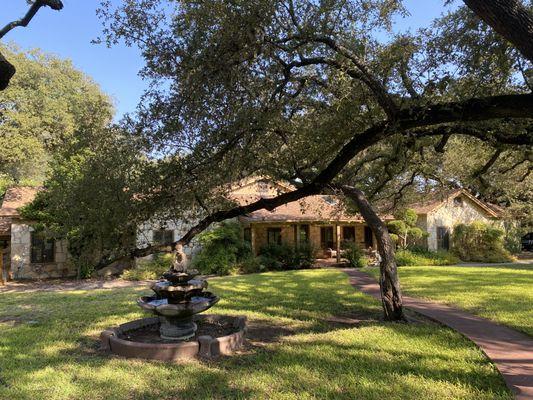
(404, 230)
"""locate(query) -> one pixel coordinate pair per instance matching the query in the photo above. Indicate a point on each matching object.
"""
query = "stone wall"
(21, 265)
(451, 214)
(145, 235)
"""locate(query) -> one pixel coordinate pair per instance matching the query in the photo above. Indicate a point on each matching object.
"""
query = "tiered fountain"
(178, 297)
(174, 333)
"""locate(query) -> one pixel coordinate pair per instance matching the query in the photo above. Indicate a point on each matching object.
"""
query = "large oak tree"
(324, 94)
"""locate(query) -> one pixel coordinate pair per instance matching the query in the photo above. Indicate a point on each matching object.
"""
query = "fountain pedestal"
(174, 328)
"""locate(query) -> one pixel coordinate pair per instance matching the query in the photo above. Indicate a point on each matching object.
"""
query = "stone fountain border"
(204, 346)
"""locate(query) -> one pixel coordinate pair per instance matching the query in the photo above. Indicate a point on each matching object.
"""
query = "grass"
(51, 352)
(501, 293)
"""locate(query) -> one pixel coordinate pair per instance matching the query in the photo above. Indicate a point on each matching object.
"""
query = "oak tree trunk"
(510, 18)
(391, 296)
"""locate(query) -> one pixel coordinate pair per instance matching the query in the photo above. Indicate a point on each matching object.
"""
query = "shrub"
(425, 257)
(354, 254)
(276, 256)
(283, 256)
(513, 239)
(480, 242)
(305, 255)
(251, 265)
(149, 269)
(223, 248)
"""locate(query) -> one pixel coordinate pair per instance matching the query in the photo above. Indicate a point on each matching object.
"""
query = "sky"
(69, 32)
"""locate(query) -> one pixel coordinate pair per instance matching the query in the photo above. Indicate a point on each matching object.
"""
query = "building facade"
(321, 220)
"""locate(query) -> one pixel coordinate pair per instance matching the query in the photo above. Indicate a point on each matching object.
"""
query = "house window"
(304, 233)
(443, 238)
(274, 235)
(348, 233)
(369, 239)
(458, 201)
(163, 236)
(327, 238)
(42, 249)
(247, 234)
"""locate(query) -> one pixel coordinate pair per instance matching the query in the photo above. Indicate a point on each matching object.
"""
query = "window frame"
(39, 253)
(443, 238)
(324, 243)
(275, 232)
(166, 234)
(247, 234)
(351, 228)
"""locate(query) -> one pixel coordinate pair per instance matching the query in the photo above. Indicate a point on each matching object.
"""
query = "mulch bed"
(213, 328)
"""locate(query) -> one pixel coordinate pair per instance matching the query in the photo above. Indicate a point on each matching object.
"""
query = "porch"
(325, 237)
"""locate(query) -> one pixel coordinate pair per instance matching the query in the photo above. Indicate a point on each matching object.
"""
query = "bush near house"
(275, 257)
(425, 257)
(480, 242)
(149, 269)
(354, 254)
(223, 249)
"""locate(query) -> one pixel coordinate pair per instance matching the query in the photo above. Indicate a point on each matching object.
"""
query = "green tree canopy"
(48, 103)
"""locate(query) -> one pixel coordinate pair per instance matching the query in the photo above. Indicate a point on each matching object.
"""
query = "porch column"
(338, 242)
(297, 238)
(252, 238)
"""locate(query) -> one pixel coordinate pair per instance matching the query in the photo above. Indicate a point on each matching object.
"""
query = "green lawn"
(501, 293)
(51, 352)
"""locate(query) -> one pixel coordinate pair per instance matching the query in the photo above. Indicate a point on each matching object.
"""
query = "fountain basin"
(194, 305)
(178, 291)
(122, 340)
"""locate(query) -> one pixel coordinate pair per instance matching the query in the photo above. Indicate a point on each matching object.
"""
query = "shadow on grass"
(57, 357)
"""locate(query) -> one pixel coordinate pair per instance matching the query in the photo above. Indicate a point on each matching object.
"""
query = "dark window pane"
(369, 240)
(304, 233)
(274, 235)
(42, 249)
(443, 238)
(247, 234)
(327, 240)
(162, 236)
(348, 233)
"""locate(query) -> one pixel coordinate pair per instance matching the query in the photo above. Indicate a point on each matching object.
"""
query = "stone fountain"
(179, 295)
(177, 331)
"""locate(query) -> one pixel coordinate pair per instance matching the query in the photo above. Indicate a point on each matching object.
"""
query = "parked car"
(527, 242)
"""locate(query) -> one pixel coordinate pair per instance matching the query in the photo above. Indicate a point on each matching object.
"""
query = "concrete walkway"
(511, 351)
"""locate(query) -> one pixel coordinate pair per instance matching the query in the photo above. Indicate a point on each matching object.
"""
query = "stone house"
(321, 220)
(324, 221)
(439, 216)
(28, 254)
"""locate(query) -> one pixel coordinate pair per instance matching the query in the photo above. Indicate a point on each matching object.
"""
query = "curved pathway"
(509, 350)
